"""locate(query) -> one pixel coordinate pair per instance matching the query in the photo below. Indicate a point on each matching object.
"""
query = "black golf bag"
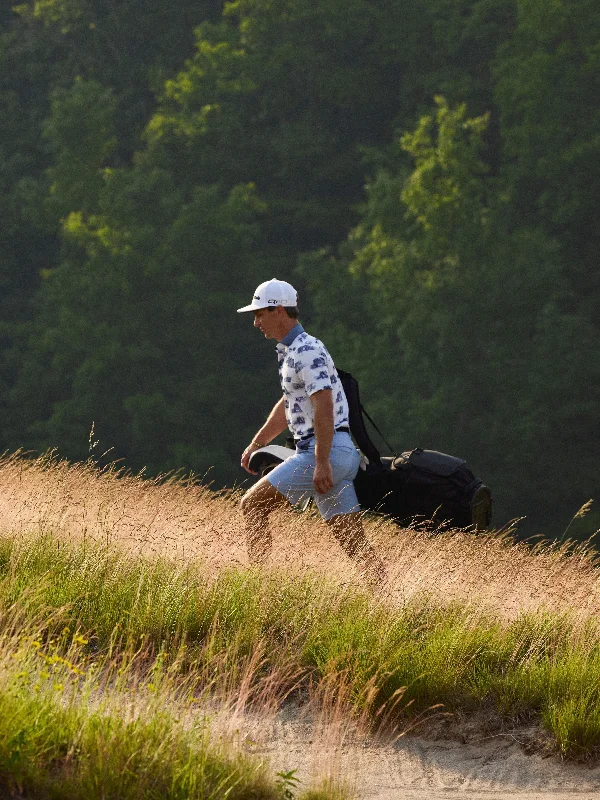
(421, 485)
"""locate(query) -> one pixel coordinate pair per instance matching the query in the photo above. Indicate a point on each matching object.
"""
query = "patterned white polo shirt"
(305, 367)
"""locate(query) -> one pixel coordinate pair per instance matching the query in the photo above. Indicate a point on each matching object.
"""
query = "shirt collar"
(289, 337)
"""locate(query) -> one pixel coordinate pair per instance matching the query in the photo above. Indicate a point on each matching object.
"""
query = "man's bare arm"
(276, 423)
(324, 429)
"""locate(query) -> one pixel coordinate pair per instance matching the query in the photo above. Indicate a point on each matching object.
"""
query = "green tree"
(547, 86)
(81, 128)
(69, 52)
(26, 246)
(122, 44)
(463, 319)
(467, 35)
(136, 330)
(285, 94)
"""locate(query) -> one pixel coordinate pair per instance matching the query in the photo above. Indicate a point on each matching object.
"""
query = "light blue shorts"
(294, 477)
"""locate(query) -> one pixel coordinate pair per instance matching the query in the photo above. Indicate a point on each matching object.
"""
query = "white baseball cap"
(270, 294)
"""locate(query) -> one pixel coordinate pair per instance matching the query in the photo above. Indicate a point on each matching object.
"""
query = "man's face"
(267, 320)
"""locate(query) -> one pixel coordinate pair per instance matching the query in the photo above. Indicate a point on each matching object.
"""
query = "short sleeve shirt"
(305, 367)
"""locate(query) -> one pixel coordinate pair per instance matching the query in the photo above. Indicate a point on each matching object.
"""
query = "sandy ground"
(494, 767)
(188, 522)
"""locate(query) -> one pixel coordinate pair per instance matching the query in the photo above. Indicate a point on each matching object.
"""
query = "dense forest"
(426, 173)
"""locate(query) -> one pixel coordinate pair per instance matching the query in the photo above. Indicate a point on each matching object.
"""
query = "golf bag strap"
(389, 447)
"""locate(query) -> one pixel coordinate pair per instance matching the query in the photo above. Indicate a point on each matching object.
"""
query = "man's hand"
(246, 457)
(323, 477)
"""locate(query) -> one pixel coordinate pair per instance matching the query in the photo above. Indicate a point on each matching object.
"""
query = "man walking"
(315, 409)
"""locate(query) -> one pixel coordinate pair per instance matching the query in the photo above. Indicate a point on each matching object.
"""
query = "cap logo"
(257, 297)
(272, 302)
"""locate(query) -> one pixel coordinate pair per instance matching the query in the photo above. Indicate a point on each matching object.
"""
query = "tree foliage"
(488, 359)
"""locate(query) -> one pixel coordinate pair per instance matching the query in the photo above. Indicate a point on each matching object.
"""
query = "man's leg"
(348, 530)
(257, 504)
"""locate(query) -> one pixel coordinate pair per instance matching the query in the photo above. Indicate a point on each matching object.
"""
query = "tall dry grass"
(185, 521)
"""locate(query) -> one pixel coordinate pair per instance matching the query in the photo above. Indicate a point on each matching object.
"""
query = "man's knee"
(246, 503)
(251, 506)
(261, 499)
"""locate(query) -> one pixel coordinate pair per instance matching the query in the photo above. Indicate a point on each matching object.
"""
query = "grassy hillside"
(130, 634)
